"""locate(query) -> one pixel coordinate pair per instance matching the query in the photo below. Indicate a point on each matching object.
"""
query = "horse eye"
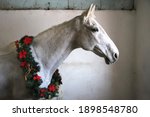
(94, 29)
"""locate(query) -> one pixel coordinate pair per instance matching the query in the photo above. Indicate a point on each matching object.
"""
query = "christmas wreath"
(31, 68)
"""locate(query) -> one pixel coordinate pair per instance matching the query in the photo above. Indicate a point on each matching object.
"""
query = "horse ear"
(93, 10)
(89, 12)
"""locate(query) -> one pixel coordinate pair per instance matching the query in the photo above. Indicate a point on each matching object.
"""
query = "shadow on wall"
(122, 30)
(143, 49)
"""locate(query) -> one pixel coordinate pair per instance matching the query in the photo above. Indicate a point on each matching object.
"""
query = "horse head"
(93, 37)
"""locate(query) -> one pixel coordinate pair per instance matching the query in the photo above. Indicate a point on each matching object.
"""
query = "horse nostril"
(115, 55)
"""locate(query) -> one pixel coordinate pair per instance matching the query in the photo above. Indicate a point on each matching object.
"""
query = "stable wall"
(66, 4)
(85, 75)
(143, 49)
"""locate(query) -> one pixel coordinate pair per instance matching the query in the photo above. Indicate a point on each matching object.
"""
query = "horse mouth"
(107, 61)
(98, 52)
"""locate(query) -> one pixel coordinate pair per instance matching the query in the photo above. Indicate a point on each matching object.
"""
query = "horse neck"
(52, 46)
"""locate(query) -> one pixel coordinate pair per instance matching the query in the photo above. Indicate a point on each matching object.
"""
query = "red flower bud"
(42, 95)
(17, 44)
(52, 88)
(23, 64)
(27, 40)
(42, 92)
(37, 77)
(22, 54)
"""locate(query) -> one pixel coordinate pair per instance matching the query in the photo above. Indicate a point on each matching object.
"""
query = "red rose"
(37, 77)
(23, 64)
(27, 40)
(22, 54)
(52, 88)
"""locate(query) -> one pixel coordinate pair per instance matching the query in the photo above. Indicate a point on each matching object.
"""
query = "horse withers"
(50, 48)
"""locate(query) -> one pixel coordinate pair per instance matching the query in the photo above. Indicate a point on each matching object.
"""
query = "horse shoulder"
(12, 83)
(7, 49)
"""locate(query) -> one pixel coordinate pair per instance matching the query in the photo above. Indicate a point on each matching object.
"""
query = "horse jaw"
(108, 51)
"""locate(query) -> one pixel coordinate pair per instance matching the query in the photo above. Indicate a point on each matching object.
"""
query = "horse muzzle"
(110, 57)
